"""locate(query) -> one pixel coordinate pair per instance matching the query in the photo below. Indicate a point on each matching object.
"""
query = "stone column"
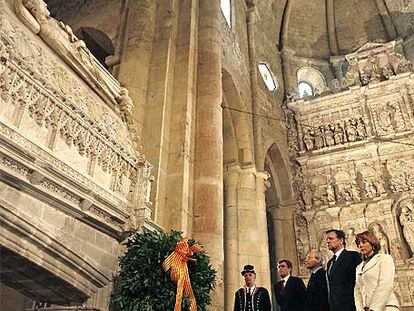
(134, 51)
(256, 102)
(284, 232)
(231, 242)
(179, 183)
(252, 224)
(208, 168)
(263, 255)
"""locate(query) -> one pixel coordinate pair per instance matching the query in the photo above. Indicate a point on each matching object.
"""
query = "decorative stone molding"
(38, 92)
(60, 37)
(372, 63)
(375, 62)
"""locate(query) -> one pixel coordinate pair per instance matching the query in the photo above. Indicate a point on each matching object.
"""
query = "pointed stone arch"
(237, 125)
(280, 209)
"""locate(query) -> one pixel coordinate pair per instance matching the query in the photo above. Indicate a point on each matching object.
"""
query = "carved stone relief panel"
(375, 62)
(302, 240)
(390, 115)
(405, 214)
(399, 174)
(379, 232)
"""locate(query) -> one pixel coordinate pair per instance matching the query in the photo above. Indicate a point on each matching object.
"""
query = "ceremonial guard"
(251, 297)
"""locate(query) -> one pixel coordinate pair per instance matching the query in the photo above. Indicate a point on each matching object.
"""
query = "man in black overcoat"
(341, 272)
(290, 291)
(317, 289)
(251, 297)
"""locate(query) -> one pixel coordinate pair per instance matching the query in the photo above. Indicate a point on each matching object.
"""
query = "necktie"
(332, 264)
(249, 298)
(282, 287)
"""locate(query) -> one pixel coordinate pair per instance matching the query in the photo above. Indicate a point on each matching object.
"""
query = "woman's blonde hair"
(371, 238)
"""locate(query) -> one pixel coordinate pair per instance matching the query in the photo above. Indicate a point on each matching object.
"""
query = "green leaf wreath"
(143, 285)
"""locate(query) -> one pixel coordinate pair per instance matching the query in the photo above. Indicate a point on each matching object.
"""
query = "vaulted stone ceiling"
(322, 28)
(315, 29)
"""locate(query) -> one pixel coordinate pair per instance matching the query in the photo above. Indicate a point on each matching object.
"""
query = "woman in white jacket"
(374, 276)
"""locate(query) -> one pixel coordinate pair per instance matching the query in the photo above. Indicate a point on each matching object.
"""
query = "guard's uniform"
(258, 301)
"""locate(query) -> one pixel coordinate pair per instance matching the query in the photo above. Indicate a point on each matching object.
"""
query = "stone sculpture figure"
(319, 143)
(387, 72)
(361, 130)
(355, 191)
(407, 223)
(364, 77)
(386, 117)
(338, 134)
(346, 194)
(329, 136)
(398, 118)
(307, 196)
(370, 189)
(400, 63)
(308, 139)
(351, 131)
(375, 72)
(351, 77)
(330, 193)
(377, 230)
(125, 103)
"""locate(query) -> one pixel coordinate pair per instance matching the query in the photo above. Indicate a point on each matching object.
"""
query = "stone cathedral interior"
(252, 126)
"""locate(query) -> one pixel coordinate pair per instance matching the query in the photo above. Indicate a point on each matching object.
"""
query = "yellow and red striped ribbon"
(177, 262)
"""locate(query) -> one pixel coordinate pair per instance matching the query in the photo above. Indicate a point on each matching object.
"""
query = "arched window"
(267, 77)
(97, 42)
(226, 10)
(305, 89)
(311, 82)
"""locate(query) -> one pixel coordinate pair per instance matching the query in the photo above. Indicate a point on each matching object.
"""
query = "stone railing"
(66, 125)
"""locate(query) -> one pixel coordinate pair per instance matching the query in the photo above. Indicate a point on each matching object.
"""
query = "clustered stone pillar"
(263, 252)
(252, 225)
(208, 169)
(231, 242)
(284, 232)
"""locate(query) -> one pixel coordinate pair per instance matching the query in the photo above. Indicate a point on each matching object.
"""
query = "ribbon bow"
(177, 262)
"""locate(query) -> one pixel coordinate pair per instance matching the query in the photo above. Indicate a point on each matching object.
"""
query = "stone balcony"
(72, 182)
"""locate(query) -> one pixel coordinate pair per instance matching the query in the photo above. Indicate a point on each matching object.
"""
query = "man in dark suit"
(317, 289)
(341, 272)
(251, 297)
(290, 291)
